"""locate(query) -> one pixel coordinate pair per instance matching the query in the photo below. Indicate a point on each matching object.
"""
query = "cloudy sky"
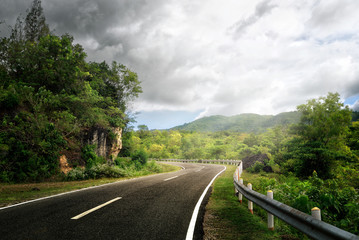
(199, 58)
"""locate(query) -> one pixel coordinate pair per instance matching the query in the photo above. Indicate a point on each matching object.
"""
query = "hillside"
(247, 122)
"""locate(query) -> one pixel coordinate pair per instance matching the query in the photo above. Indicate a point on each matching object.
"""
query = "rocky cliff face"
(108, 143)
(116, 143)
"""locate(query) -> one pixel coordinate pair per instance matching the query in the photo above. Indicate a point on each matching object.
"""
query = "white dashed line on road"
(95, 208)
(170, 178)
(199, 169)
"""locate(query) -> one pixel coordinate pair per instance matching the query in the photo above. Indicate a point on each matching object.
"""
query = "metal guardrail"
(218, 161)
(303, 222)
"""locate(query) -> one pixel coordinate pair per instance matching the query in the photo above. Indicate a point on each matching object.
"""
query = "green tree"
(35, 23)
(117, 82)
(251, 140)
(156, 150)
(353, 136)
(174, 142)
(321, 136)
(325, 120)
(143, 131)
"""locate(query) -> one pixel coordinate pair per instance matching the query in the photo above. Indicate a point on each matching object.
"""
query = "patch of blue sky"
(336, 38)
(164, 119)
(351, 100)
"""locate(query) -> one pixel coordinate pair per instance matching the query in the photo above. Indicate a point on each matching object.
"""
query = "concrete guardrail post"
(237, 179)
(250, 203)
(316, 213)
(270, 216)
(240, 196)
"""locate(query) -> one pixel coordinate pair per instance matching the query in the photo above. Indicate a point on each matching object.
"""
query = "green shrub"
(256, 168)
(152, 166)
(105, 170)
(339, 203)
(8, 98)
(29, 149)
(140, 157)
(302, 203)
(76, 174)
(95, 172)
(123, 162)
(88, 154)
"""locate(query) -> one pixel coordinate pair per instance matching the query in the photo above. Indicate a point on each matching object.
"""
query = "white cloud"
(333, 18)
(221, 57)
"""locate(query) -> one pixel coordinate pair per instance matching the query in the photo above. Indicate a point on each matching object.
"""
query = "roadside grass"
(226, 218)
(286, 231)
(16, 193)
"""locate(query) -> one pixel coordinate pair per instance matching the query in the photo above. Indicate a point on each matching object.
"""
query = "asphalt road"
(153, 207)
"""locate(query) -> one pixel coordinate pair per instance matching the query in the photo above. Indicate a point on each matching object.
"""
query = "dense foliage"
(50, 96)
(338, 201)
(190, 145)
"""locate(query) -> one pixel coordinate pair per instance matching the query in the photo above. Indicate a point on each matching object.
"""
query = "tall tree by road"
(321, 135)
(35, 22)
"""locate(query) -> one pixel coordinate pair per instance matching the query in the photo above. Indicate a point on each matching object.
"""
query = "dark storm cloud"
(101, 21)
(9, 11)
(84, 18)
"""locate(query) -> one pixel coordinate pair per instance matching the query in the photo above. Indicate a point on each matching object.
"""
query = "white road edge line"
(192, 223)
(95, 208)
(170, 178)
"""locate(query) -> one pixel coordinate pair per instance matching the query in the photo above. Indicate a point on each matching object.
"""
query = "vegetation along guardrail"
(310, 225)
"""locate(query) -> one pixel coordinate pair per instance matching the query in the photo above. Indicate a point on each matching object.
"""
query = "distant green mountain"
(247, 122)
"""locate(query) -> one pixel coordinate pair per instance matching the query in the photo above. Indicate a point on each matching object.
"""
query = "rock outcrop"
(251, 160)
(116, 143)
(108, 143)
(64, 165)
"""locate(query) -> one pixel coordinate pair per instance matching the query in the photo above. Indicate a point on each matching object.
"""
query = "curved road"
(153, 207)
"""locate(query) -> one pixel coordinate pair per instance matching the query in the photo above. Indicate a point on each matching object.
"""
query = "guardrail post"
(250, 203)
(316, 213)
(240, 196)
(270, 216)
(237, 179)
